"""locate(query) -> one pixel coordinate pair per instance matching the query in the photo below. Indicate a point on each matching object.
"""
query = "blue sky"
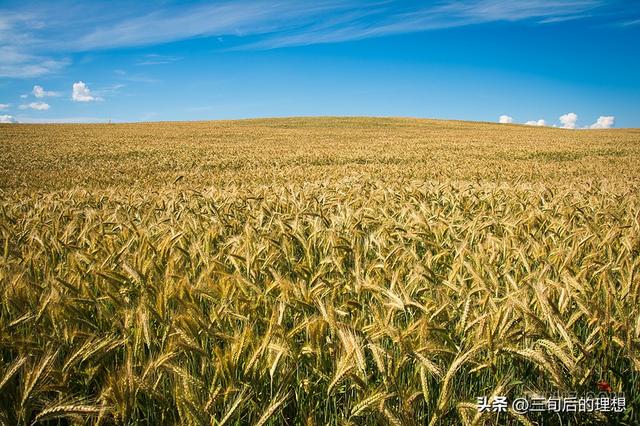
(525, 61)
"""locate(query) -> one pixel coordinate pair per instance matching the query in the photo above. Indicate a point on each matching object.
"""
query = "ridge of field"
(316, 271)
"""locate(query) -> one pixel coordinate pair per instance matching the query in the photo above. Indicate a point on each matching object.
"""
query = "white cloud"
(4, 107)
(38, 106)
(7, 119)
(39, 92)
(81, 93)
(536, 123)
(569, 120)
(604, 122)
(25, 96)
(505, 119)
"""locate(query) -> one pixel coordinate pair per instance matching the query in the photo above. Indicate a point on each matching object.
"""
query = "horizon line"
(256, 118)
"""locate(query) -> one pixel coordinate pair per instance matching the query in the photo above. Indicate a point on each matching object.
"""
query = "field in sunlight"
(316, 271)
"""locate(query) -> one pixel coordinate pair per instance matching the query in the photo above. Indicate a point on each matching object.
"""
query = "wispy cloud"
(450, 14)
(35, 38)
(38, 106)
(16, 63)
(135, 78)
(558, 19)
(113, 89)
(173, 23)
(4, 107)
(630, 23)
(155, 59)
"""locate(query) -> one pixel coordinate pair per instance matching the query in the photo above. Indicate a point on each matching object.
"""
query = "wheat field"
(315, 271)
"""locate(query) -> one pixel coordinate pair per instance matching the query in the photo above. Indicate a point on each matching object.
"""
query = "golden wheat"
(314, 271)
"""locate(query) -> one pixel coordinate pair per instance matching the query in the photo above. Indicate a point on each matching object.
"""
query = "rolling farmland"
(315, 271)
